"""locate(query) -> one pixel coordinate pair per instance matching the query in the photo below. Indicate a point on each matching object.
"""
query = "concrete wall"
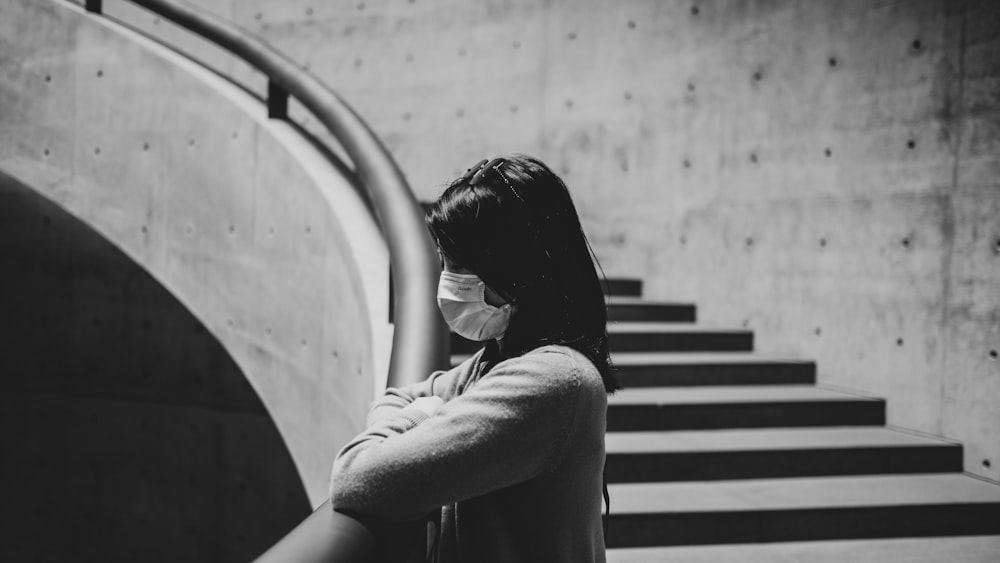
(824, 173)
(128, 432)
(240, 218)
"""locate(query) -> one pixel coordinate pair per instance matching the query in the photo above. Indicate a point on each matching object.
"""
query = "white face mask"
(461, 299)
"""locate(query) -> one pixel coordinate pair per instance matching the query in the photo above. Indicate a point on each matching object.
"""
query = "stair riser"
(628, 418)
(652, 313)
(623, 287)
(698, 528)
(651, 342)
(682, 342)
(716, 465)
(721, 374)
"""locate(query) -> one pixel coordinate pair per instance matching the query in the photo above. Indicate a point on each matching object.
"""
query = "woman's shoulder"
(557, 362)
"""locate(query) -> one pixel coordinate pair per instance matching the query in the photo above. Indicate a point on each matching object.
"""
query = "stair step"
(622, 286)
(655, 336)
(798, 509)
(677, 337)
(703, 455)
(964, 549)
(628, 309)
(698, 408)
(681, 369)
(646, 369)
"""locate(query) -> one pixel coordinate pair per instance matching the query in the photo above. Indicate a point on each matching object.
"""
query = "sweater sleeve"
(443, 384)
(510, 426)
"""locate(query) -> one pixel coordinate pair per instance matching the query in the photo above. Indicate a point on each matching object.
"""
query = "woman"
(511, 442)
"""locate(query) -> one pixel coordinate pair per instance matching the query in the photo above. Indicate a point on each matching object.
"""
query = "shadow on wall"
(128, 432)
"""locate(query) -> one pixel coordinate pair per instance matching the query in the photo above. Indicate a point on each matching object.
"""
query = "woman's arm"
(504, 430)
(443, 384)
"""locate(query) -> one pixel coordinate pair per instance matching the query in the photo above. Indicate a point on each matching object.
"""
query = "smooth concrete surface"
(970, 549)
(801, 492)
(762, 439)
(729, 394)
(698, 358)
(824, 173)
(124, 424)
(239, 217)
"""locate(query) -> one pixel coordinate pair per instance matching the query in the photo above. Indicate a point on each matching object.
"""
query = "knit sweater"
(514, 457)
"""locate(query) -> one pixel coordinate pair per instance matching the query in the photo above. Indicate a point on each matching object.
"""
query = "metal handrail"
(420, 340)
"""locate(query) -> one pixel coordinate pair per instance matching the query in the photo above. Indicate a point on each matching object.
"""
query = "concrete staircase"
(718, 454)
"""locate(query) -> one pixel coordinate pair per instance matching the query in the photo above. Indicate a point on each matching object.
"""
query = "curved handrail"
(420, 340)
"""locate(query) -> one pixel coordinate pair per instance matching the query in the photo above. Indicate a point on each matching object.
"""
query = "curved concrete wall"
(822, 172)
(266, 242)
(128, 432)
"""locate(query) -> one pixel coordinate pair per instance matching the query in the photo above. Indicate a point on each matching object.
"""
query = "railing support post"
(277, 101)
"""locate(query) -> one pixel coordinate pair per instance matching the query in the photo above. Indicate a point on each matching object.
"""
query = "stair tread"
(964, 549)
(626, 359)
(729, 394)
(695, 358)
(800, 493)
(633, 300)
(616, 327)
(764, 439)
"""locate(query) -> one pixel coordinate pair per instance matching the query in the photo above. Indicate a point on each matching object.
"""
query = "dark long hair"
(514, 225)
